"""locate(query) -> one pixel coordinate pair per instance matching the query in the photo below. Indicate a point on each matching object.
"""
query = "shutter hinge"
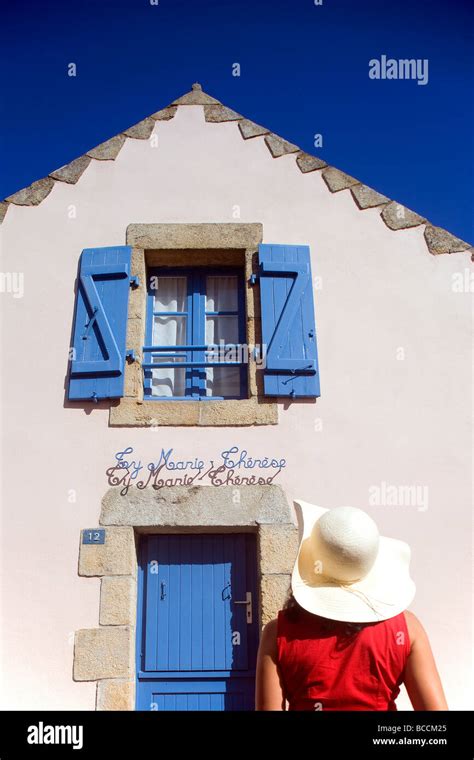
(130, 355)
(134, 282)
(94, 398)
(253, 279)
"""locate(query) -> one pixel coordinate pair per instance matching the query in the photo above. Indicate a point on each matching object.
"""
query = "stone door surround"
(106, 654)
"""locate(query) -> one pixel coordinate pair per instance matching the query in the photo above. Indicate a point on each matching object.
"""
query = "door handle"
(247, 601)
(163, 590)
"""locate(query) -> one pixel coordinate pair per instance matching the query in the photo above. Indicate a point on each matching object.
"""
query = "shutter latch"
(130, 355)
(134, 282)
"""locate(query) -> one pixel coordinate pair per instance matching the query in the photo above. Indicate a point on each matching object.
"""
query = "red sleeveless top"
(324, 666)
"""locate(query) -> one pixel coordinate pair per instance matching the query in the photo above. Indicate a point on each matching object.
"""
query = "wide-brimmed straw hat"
(345, 570)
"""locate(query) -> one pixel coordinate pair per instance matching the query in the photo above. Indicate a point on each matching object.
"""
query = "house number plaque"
(93, 536)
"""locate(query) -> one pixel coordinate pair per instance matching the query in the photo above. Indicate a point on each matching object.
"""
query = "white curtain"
(170, 295)
(222, 295)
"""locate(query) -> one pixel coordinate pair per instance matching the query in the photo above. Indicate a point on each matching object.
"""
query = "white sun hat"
(345, 570)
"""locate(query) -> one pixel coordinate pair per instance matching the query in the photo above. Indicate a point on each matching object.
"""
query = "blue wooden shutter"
(100, 324)
(288, 326)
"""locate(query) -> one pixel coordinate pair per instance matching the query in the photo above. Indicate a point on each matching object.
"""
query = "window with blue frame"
(195, 334)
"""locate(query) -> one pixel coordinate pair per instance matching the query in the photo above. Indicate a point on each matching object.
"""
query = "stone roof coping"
(394, 215)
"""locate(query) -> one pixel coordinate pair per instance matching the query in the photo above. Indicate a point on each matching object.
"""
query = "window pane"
(221, 293)
(223, 381)
(168, 381)
(169, 293)
(222, 329)
(169, 331)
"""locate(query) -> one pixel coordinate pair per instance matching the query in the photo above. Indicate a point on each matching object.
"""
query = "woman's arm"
(268, 693)
(422, 680)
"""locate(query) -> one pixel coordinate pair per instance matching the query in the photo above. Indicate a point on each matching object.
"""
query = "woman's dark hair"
(295, 613)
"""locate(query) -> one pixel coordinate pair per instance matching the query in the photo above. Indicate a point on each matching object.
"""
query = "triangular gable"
(394, 215)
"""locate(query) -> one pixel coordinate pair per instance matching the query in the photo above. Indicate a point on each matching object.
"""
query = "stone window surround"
(191, 244)
(107, 654)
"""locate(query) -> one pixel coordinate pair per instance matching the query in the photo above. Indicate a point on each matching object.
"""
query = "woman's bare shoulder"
(270, 629)
(268, 639)
(416, 631)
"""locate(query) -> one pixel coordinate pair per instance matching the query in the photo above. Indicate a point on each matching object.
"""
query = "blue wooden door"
(197, 631)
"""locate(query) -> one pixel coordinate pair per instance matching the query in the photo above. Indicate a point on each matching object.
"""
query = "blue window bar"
(195, 334)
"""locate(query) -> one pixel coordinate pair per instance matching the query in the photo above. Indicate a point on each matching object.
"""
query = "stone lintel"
(182, 236)
(191, 506)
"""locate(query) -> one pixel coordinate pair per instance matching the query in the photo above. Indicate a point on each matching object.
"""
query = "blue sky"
(304, 71)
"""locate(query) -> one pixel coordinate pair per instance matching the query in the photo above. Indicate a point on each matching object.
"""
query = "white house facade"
(201, 323)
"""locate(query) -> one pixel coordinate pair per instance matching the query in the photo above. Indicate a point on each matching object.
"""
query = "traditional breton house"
(168, 392)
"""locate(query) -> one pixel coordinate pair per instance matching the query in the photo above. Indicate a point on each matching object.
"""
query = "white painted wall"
(402, 422)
